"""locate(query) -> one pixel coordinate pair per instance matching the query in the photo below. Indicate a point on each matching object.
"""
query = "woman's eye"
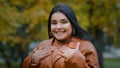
(53, 23)
(64, 22)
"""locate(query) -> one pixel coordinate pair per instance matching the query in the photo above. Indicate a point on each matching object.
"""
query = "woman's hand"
(67, 52)
(40, 54)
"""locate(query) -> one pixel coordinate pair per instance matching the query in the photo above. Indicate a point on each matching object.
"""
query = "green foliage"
(17, 13)
(24, 21)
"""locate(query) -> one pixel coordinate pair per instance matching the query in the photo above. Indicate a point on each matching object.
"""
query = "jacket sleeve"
(27, 63)
(76, 61)
(86, 59)
(91, 57)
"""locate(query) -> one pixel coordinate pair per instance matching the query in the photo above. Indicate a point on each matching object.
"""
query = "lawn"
(112, 63)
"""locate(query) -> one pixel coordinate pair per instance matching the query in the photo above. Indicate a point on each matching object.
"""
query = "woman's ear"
(51, 34)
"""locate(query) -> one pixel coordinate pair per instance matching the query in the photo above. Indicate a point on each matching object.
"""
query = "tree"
(25, 21)
(22, 22)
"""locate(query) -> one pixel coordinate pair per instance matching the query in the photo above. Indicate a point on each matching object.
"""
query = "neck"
(63, 41)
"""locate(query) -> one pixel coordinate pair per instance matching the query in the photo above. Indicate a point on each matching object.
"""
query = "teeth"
(59, 32)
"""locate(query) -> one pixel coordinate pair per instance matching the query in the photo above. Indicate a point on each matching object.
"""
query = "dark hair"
(69, 13)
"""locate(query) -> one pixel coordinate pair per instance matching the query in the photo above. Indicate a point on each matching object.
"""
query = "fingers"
(50, 48)
(37, 57)
(47, 54)
(62, 54)
(44, 52)
(40, 54)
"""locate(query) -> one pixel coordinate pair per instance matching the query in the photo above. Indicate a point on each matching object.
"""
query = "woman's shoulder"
(45, 43)
(82, 41)
(85, 43)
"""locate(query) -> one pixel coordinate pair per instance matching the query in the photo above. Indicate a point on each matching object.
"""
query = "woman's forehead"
(58, 15)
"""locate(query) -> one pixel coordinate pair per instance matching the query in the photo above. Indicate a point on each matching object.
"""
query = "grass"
(112, 63)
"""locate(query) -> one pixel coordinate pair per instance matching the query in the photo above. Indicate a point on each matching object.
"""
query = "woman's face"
(61, 27)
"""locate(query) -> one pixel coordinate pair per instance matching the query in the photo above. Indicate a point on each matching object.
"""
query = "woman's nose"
(59, 26)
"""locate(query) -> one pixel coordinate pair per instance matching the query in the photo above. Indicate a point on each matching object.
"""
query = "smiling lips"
(59, 32)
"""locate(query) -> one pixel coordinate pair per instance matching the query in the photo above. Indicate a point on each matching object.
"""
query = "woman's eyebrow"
(53, 20)
(64, 20)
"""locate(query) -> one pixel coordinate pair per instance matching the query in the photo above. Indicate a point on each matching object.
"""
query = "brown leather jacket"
(86, 58)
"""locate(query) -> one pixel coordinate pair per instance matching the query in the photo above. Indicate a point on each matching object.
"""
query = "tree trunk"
(99, 37)
(8, 63)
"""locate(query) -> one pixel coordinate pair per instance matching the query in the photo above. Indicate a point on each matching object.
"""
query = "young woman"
(68, 46)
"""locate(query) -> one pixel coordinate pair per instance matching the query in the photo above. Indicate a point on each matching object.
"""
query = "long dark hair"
(69, 13)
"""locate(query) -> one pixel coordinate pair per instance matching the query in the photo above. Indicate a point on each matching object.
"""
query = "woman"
(68, 46)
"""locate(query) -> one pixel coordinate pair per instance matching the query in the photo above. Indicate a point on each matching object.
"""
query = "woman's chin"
(59, 38)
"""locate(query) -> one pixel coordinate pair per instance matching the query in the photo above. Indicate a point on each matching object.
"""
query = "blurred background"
(23, 24)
